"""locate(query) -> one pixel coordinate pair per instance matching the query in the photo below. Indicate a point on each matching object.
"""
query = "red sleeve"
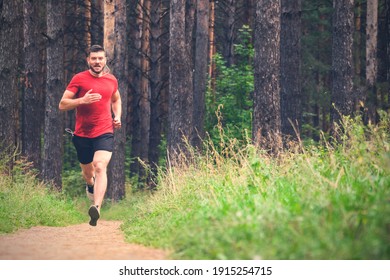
(74, 84)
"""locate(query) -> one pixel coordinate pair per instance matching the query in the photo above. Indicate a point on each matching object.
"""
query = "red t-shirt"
(93, 119)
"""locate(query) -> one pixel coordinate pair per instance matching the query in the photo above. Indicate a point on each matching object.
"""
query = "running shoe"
(94, 213)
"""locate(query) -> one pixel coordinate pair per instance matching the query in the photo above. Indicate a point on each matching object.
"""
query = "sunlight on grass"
(323, 202)
(25, 202)
(318, 201)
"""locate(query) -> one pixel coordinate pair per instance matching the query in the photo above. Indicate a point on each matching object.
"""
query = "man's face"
(96, 61)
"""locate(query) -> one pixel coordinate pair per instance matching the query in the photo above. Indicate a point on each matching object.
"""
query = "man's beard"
(96, 72)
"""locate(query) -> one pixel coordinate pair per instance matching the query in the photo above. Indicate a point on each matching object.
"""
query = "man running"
(95, 96)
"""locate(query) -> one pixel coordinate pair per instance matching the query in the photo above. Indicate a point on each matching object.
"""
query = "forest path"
(75, 242)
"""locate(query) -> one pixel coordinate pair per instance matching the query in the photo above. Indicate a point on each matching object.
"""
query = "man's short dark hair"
(96, 48)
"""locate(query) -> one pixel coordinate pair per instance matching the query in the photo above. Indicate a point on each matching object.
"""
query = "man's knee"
(87, 169)
(100, 166)
(101, 160)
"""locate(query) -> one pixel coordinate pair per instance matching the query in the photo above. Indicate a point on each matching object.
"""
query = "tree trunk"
(116, 171)
(229, 31)
(266, 101)
(109, 27)
(290, 65)
(342, 60)
(135, 70)
(164, 68)
(145, 90)
(371, 58)
(180, 85)
(81, 40)
(382, 57)
(32, 98)
(372, 41)
(200, 71)
(189, 31)
(388, 51)
(248, 12)
(155, 87)
(53, 130)
(212, 48)
(70, 68)
(11, 34)
(358, 35)
(97, 22)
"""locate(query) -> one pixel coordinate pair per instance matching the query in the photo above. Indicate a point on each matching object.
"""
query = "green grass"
(324, 202)
(319, 201)
(25, 202)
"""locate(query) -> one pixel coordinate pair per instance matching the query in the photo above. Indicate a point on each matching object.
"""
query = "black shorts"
(86, 147)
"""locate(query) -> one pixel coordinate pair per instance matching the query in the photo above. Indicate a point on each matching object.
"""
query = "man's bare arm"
(117, 109)
(68, 102)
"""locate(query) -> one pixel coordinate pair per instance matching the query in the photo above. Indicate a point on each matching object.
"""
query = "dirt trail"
(77, 242)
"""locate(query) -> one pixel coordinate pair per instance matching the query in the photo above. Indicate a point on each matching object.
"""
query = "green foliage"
(316, 64)
(25, 202)
(319, 202)
(70, 161)
(230, 105)
(73, 184)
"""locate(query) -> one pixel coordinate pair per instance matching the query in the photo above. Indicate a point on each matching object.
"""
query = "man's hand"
(117, 122)
(89, 97)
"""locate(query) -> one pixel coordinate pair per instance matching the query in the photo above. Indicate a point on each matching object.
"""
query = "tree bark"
(189, 31)
(97, 22)
(290, 65)
(358, 35)
(109, 27)
(248, 12)
(155, 87)
(342, 60)
(266, 132)
(372, 41)
(388, 51)
(32, 98)
(135, 71)
(382, 58)
(53, 127)
(229, 25)
(371, 58)
(180, 85)
(116, 171)
(11, 34)
(145, 90)
(212, 48)
(200, 71)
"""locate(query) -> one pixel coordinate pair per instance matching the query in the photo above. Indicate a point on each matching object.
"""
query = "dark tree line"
(313, 62)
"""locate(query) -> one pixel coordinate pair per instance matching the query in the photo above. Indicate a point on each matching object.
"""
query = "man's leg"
(85, 156)
(88, 172)
(100, 163)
